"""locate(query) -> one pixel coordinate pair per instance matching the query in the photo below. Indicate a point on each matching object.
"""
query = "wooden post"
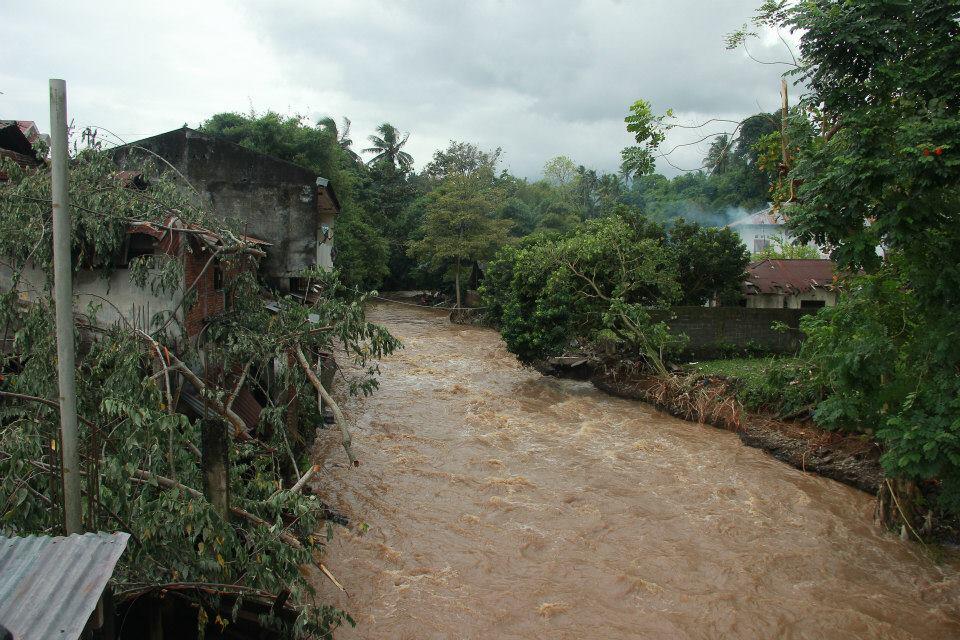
(289, 468)
(458, 281)
(215, 462)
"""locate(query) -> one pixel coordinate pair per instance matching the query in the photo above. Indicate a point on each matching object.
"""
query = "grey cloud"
(537, 78)
(426, 66)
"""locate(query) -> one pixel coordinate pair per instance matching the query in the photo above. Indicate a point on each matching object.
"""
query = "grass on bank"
(781, 385)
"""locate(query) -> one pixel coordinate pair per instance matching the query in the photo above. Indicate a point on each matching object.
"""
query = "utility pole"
(63, 302)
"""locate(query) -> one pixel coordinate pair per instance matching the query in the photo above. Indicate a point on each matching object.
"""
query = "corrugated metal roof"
(50, 586)
(245, 406)
(789, 276)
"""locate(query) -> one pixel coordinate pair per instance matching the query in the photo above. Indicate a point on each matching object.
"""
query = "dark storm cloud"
(537, 78)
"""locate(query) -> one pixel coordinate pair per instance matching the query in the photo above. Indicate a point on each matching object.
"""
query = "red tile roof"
(789, 276)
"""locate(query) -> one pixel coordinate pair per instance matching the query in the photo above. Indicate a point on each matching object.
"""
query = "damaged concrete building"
(290, 207)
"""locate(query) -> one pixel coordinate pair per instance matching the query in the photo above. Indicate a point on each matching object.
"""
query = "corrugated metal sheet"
(50, 586)
(245, 406)
(789, 276)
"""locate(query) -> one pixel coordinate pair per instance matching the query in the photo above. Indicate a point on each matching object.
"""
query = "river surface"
(503, 504)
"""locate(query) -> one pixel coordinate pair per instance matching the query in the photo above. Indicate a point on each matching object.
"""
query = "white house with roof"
(791, 284)
(757, 230)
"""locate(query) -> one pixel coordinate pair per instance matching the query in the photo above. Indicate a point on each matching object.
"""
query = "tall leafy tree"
(595, 284)
(459, 226)
(559, 171)
(463, 159)
(880, 167)
(341, 134)
(711, 262)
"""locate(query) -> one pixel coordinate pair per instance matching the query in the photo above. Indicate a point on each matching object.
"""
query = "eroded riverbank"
(504, 504)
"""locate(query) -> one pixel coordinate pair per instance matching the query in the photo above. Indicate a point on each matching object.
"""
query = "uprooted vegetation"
(144, 458)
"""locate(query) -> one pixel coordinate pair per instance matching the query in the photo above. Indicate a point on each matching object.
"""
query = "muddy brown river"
(493, 502)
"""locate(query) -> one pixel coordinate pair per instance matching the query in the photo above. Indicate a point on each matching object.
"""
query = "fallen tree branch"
(208, 587)
(236, 389)
(346, 440)
(51, 403)
(301, 482)
(167, 483)
(239, 426)
(306, 478)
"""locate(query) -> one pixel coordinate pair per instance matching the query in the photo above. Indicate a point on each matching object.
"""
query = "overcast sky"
(539, 79)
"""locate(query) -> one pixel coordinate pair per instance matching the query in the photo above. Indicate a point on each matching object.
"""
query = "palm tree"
(342, 136)
(387, 147)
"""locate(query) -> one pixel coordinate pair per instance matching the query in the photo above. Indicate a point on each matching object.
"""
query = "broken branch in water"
(327, 573)
(346, 440)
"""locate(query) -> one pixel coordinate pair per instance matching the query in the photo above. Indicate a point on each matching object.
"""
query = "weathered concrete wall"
(130, 303)
(248, 191)
(720, 331)
(774, 301)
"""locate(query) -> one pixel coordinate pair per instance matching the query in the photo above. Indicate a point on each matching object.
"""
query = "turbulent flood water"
(502, 504)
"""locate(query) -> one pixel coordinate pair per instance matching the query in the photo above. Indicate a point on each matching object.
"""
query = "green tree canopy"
(879, 165)
(711, 262)
(290, 138)
(463, 159)
(595, 284)
(459, 226)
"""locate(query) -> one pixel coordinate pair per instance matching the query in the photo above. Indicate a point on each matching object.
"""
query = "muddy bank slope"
(848, 459)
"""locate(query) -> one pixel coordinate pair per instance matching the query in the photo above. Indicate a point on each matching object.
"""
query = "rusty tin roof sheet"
(789, 276)
(50, 586)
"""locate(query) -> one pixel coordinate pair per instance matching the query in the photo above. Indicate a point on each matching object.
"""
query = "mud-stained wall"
(721, 331)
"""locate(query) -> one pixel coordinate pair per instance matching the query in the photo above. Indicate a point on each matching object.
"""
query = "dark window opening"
(812, 304)
(217, 276)
(137, 244)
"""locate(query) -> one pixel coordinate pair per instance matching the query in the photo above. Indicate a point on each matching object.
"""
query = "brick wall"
(208, 300)
(719, 331)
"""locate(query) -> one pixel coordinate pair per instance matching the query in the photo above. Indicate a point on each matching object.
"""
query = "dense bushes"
(890, 367)
(592, 289)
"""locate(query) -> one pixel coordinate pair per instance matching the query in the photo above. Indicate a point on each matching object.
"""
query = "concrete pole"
(63, 302)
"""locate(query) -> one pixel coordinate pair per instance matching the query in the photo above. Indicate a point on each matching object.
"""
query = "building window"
(812, 304)
(137, 244)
